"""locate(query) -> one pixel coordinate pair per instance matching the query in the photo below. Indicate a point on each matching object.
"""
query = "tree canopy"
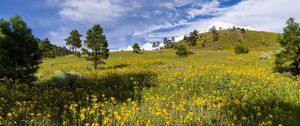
(19, 51)
(97, 43)
(74, 40)
(288, 60)
(136, 48)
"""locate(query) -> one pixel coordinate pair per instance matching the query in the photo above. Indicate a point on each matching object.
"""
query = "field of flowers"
(155, 88)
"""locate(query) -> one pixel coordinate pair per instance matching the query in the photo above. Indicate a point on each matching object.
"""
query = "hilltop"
(254, 40)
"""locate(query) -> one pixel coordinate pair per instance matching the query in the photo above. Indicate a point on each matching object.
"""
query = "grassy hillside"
(156, 88)
(254, 40)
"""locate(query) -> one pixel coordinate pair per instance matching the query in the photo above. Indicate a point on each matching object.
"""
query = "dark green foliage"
(169, 43)
(243, 30)
(74, 40)
(155, 45)
(215, 33)
(49, 50)
(46, 48)
(240, 49)
(288, 60)
(185, 38)
(192, 39)
(60, 51)
(182, 50)
(97, 43)
(136, 48)
(19, 51)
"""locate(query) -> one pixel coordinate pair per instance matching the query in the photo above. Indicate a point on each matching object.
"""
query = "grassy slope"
(255, 40)
(204, 72)
(205, 83)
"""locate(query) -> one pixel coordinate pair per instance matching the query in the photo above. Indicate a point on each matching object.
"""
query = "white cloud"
(93, 10)
(58, 37)
(209, 8)
(267, 15)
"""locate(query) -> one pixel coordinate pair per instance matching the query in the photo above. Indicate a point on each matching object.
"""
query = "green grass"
(255, 40)
(210, 87)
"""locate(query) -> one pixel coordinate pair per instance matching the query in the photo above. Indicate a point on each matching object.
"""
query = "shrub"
(240, 49)
(182, 51)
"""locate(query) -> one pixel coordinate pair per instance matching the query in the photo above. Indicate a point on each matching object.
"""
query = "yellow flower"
(95, 124)
(258, 114)
(9, 114)
(82, 116)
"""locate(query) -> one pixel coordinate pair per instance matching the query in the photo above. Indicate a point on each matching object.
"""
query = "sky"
(143, 21)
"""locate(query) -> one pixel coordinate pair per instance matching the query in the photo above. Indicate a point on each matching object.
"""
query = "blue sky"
(129, 21)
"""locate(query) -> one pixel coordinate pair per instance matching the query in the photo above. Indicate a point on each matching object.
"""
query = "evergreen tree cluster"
(192, 39)
(155, 45)
(169, 43)
(19, 51)
(49, 50)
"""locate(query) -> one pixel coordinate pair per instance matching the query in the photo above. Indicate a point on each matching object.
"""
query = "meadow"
(155, 88)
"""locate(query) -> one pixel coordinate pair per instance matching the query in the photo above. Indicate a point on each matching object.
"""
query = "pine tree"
(97, 43)
(192, 40)
(74, 40)
(136, 48)
(19, 51)
(46, 48)
(288, 60)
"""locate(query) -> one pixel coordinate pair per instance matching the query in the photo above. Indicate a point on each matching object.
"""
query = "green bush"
(240, 49)
(182, 51)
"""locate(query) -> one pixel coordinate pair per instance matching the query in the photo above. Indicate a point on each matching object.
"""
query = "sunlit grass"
(155, 88)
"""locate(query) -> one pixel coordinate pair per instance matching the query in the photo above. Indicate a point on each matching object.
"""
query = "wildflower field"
(155, 88)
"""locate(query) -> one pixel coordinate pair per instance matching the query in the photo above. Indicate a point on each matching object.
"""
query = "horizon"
(125, 23)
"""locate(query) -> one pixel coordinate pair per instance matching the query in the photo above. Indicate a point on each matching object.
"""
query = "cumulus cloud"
(93, 10)
(157, 19)
(266, 15)
(209, 8)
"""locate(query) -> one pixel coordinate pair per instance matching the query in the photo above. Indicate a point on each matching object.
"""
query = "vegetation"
(97, 43)
(192, 39)
(169, 43)
(215, 33)
(74, 40)
(136, 48)
(49, 50)
(155, 89)
(288, 60)
(46, 48)
(182, 51)
(155, 45)
(207, 88)
(240, 49)
(19, 51)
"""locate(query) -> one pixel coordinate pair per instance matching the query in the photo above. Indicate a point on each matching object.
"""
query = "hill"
(254, 40)
(158, 88)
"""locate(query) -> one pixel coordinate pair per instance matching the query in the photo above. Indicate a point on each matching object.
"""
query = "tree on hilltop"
(136, 48)
(74, 40)
(97, 43)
